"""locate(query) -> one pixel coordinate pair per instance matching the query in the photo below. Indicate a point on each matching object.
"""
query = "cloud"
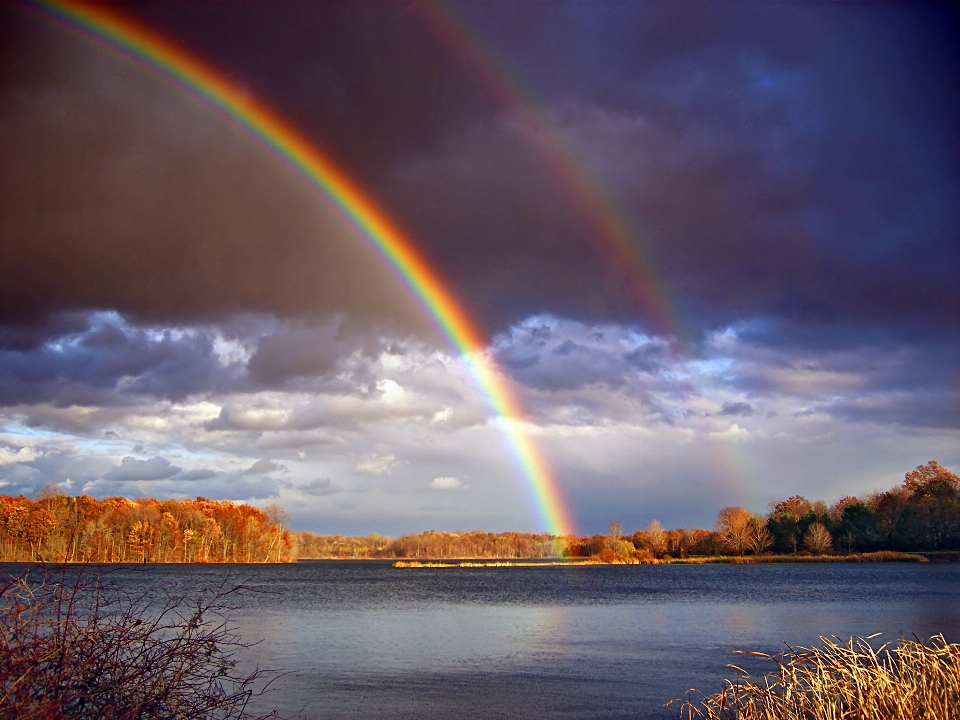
(736, 408)
(376, 464)
(263, 467)
(194, 475)
(736, 166)
(320, 488)
(446, 483)
(157, 206)
(8, 456)
(784, 257)
(554, 353)
(156, 468)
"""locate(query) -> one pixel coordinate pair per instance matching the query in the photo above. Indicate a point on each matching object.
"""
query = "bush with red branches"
(73, 645)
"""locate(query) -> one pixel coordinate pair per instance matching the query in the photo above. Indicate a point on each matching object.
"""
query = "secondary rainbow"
(613, 229)
(119, 33)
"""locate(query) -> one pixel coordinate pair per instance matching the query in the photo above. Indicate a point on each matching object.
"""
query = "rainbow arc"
(119, 33)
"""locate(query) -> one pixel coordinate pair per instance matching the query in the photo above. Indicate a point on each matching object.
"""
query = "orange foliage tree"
(59, 527)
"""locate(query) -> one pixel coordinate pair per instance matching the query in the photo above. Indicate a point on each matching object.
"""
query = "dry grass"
(909, 680)
(493, 564)
(879, 556)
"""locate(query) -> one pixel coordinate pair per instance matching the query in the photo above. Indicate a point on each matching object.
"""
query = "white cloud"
(446, 483)
(24, 454)
(375, 464)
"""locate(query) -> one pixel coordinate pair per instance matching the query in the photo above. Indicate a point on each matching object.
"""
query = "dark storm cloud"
(765, 166)
(769, 167)
(119, 191)
(101, 358)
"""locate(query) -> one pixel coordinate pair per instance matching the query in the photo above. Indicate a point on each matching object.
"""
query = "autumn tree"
(656, 538)
(817, 539)
(932, 517)
(788, 522)
(278, 516)
(760, 539)
(733, 524)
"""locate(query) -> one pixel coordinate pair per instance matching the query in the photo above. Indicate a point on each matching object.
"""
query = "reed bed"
(492, 564)
(910, 680)
(879, 556)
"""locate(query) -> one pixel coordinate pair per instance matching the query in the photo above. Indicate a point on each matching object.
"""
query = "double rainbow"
(119, 33)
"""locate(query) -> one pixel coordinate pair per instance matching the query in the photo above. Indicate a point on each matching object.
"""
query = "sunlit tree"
(733, 524)
(817, 539)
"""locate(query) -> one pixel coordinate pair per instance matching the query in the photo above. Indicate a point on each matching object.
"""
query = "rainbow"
(612, 229)
(118, 33)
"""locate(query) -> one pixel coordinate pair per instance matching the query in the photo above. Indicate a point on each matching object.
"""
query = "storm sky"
(714, 247)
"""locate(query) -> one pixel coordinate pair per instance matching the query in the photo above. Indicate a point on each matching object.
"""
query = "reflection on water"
(366, 640)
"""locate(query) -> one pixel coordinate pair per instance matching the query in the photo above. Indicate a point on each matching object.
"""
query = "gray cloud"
(156, 468)
(194, 475)
(263, 467)
(736, 408)
(320, 488)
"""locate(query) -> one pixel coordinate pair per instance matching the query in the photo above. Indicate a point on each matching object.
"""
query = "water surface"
(366, 640)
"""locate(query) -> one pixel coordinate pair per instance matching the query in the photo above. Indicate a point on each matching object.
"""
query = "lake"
(367, 640)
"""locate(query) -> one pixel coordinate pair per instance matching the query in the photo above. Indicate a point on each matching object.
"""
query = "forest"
(55, 527)
(920, 515)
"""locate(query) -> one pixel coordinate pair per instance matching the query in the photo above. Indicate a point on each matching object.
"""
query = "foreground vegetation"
(906, 681)
(921, 515)
(73, 646)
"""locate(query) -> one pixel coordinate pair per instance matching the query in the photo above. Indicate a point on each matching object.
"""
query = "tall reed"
(908, 680)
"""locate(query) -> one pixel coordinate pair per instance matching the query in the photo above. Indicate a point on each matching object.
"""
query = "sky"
(713, 248)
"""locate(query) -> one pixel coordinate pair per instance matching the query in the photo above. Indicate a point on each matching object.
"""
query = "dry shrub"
(74, 646)
(909, 681)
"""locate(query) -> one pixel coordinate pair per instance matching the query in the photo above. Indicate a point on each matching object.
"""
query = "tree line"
(430, 544)
(922, 514)
(56, 527)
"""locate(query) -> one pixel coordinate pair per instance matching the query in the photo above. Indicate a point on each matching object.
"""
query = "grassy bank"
(903, 681)
(495, 563)
(882, 556)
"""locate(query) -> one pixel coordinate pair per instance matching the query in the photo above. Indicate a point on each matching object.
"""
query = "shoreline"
(881, 556)
(873, 557)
